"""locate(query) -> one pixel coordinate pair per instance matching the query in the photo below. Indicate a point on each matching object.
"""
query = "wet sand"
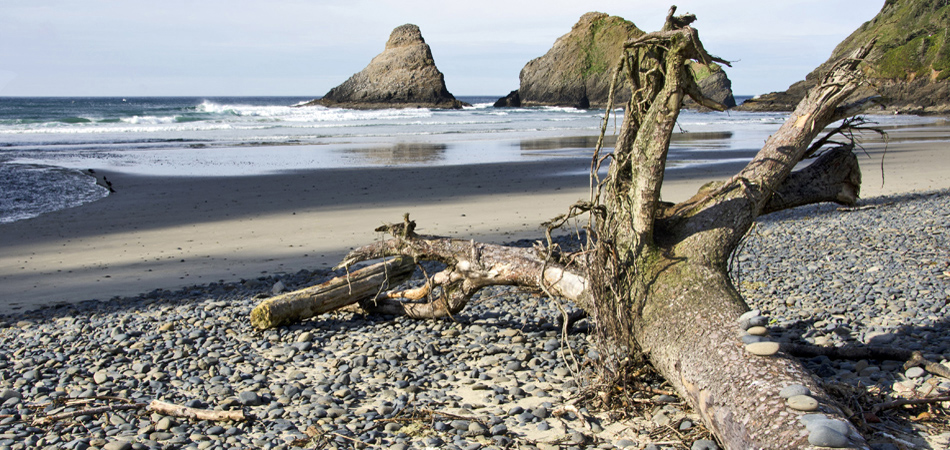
(171, 232)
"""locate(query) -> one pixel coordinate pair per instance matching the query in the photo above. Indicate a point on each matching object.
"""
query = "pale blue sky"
(300, 47)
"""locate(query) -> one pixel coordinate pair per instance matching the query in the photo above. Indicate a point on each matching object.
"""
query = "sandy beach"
(171, 232)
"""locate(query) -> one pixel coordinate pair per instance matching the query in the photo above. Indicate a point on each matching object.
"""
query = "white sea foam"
(148, 120)
(311, 113)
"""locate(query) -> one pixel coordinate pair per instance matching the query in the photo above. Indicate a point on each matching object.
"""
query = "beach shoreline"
(172, 232)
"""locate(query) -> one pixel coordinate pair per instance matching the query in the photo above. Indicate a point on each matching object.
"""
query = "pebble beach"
(494, 377)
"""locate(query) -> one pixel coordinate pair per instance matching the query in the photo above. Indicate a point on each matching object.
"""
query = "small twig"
(861, 208)
(85, 412)
(450, 415)
(909, 401)
(572, 409)
(357, 442)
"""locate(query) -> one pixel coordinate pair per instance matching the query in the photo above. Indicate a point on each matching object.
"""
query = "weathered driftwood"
(185, 412)
(158, 406)
(85, 412)
(909, 401)
(654, 276)
(303, 304)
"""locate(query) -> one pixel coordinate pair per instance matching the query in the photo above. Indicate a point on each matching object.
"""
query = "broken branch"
(336, 293)
(170, 409)
(908, 401)
(85, 412)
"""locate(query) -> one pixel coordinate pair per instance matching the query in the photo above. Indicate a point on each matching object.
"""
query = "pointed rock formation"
(576, 71)
(404, 75)
(909, 65)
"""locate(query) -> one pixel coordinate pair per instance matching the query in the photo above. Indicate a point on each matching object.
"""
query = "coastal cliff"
(576, 71)
(404, 75)
(909, 65)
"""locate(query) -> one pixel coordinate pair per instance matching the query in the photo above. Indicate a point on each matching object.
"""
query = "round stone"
(118, 445)
(793, 390)
(625, 443)
(704, 444)
(765, 348)
(749, 314)
(7, 394)
(513, 366)
(100, 377)
(757, 331)
(810, 419)
(540, 412)
(803, 403)
(823, 436)
(249, 398)
(914, 372)
(476, 428)
(837, 425)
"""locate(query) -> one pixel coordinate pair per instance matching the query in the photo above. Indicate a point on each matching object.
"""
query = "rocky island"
(909, 65)
(404, 75)
(576, 71)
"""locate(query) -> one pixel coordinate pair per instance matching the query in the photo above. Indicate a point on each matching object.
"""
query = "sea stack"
(404, 75)
(909, 65)
(577, 70)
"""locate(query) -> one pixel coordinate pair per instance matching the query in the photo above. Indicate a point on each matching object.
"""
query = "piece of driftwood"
(303, 304)
(85, 412)
(170, 409)
(909, 401)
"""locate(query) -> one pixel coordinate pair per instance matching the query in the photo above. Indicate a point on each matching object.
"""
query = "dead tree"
(654, 275)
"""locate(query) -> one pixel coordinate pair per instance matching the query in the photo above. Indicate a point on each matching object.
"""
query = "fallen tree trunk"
(653, 276)
(303, 304)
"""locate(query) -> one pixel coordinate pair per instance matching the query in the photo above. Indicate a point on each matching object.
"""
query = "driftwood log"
(303, 304)
(654, 276)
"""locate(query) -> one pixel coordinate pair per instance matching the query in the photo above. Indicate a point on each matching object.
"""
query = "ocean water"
(47, 144)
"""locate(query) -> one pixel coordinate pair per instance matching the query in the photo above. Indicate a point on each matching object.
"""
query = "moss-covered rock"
(576, 71)
(909, 66)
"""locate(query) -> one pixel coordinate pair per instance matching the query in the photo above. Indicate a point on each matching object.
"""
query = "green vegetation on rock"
(577, 70)
(909, 65)
(604, 40)
(912, 40)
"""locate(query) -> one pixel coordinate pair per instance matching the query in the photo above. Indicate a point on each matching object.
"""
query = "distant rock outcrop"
(513, 99)
(404, 75)
(909, 65)
(577, 70)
